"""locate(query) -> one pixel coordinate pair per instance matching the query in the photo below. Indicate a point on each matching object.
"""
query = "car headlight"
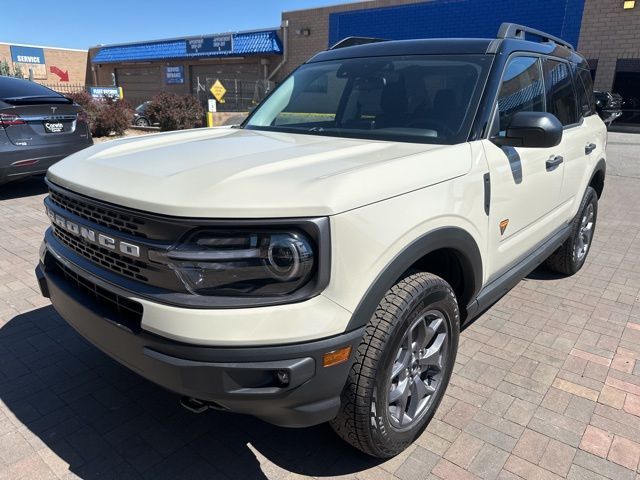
(237, 263)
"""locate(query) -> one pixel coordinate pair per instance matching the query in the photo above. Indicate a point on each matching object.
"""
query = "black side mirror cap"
(531, 130)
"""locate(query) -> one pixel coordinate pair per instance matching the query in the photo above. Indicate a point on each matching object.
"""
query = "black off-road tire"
(364, 420)
(566, 260)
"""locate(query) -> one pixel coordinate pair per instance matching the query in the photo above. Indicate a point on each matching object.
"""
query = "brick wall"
(609, 32)
(73, 61)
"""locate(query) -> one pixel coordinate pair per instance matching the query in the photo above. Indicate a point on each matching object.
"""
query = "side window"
(521, 89)
(561, 96)
(585, 85)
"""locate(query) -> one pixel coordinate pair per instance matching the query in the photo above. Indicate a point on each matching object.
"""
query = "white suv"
(317, 263)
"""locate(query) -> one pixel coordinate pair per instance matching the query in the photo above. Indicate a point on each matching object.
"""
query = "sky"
(86, 23)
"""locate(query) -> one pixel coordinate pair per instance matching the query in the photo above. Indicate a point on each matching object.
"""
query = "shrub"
(106, 116)
(114, 117)
(175, 112)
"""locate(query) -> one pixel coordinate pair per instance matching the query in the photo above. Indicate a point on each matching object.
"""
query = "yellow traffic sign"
(218, 91)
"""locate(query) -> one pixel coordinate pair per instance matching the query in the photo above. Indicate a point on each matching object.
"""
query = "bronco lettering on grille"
(93, 236)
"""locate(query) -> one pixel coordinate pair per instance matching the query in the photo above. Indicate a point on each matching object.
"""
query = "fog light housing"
(283, 377)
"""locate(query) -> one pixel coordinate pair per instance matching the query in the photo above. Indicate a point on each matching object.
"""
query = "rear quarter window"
(16, 87)
(584, 86)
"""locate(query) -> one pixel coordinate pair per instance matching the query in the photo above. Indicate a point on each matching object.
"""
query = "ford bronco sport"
(317, 262)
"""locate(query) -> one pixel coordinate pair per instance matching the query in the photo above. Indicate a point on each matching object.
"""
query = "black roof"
(449, 46)
(510, 38)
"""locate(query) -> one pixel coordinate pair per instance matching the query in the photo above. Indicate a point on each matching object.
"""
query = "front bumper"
(239, 379)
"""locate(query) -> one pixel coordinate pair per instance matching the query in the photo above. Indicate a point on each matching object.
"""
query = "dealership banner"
(100, 92)
(30, 60)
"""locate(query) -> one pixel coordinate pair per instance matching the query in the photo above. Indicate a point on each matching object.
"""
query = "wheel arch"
(455, 243)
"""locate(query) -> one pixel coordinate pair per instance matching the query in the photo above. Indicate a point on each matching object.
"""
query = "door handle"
(590, 147)
(554, 162)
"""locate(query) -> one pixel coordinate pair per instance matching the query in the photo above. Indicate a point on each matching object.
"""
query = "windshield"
(416, 98)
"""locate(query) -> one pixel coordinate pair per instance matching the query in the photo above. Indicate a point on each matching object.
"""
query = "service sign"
(174, 75)
(100, 92)
(217, 43)
(30, 60)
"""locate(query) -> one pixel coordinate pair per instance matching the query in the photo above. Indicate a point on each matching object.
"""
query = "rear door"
(562, 101)
(589, 140)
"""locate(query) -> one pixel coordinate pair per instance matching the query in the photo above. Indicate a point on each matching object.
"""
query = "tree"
(5, 69)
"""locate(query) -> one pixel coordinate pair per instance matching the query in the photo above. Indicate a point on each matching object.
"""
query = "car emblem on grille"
(89, 235)
(53, 109)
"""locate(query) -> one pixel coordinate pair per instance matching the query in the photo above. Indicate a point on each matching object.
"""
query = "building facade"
(61, 68)
(240, 64)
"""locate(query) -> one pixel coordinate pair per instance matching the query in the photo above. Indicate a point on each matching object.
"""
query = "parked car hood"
(224, 172)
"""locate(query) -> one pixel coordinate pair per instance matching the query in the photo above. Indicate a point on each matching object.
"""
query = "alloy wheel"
(417, 369)
(585, 234)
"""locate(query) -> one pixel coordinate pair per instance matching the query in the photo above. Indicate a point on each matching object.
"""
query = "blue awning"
(264, 42)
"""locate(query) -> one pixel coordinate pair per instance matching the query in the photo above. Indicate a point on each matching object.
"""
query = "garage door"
(139, 84)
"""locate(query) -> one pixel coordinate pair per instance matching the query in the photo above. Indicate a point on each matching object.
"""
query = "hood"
(236, 173)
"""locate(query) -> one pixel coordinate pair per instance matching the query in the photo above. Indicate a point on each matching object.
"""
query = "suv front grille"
(101, 215)
(135, 269)
(120, 309)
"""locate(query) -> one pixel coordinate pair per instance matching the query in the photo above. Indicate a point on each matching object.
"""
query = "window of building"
(627, 84)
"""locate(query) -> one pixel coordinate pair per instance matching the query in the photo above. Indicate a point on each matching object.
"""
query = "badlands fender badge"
(503, 225)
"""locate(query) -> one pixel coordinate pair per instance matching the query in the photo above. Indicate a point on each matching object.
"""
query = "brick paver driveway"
(547, 383)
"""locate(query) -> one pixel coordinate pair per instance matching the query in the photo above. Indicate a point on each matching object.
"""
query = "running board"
(495, 290)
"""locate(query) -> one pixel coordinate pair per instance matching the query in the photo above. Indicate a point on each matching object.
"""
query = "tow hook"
(195, 405)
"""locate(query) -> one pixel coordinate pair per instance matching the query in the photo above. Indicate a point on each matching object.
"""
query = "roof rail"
(513, 30)
(353, 41)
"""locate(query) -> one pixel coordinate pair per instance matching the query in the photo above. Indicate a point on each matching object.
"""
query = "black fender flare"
(601, 166)
(453, 238)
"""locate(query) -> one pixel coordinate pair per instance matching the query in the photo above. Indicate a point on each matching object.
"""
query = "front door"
(526, 183)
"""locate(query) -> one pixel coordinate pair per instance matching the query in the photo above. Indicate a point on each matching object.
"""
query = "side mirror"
(531, 130)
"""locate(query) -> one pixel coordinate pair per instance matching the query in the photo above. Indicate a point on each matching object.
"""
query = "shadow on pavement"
(543, 273)
(23, 188)
(107, 422)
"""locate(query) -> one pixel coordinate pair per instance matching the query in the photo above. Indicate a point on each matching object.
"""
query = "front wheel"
(402, 366)
(570, 257)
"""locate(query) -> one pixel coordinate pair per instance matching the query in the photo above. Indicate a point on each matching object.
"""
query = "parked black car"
(608, 106)
(38, 127)
(141, 117)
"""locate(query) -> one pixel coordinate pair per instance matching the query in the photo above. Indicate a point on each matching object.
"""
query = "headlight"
(228, 263)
